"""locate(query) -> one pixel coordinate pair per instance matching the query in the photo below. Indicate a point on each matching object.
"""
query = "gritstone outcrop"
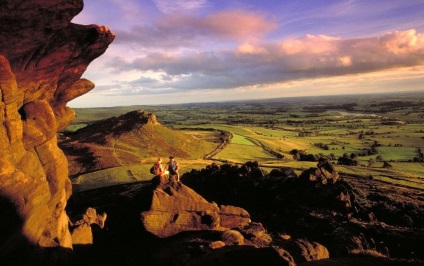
(42, 58)
(176, 208)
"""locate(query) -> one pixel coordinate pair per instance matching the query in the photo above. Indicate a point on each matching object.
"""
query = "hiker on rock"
(172, 166)
(158, 168)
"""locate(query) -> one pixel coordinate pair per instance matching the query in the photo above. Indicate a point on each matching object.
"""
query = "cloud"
(312, 56)
(144, 81)
(238, 24)
(248, 48)
(382, 81)
(404, 42)
(172, 6)
(200, 45)
(310, 44)
(189, 30)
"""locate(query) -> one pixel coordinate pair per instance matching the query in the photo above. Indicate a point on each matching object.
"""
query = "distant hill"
(128, 139)
(175, 115)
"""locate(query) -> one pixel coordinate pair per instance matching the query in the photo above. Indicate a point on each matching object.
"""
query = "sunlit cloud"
(345, 61)
(238, 24)
(247, 48)
(189, 30)
(302, 58)
(404, 42)
(310, 44)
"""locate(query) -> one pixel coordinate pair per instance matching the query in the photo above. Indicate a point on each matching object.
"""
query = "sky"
(185, 51)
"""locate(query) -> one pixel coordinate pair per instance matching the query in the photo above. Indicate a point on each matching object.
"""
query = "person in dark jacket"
(172, 166)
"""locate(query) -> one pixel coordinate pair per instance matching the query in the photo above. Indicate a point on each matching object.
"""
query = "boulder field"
(243, 215)
(163, 222)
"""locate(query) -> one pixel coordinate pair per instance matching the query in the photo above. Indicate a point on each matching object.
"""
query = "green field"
(372, 129)
(241, 140)
(240, 153)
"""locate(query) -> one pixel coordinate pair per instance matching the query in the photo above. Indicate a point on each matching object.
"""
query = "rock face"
(42, 58)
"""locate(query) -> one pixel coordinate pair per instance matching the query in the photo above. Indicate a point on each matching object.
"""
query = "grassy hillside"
(135, 138)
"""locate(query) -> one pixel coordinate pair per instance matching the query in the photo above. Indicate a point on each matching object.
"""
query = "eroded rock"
(256, 234)
(324, 174)
(176, 208)
(232, 238)
(81, 230)
(42, 58)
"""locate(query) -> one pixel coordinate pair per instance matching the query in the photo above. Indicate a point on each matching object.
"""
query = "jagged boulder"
(282, 173)
(232, 237)
(82, 235)
(277, 177)
(302, 250)
(324, 174)
(256, 234)
(320, 186)
(42, 58)
(81, 229)
(233, 217)
(176, 208)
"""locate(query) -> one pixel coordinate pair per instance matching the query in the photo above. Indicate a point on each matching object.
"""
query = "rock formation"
(82, 233)
(296, 220)
(324, 174)
(176, 208)
(42, 58)
(343, 215)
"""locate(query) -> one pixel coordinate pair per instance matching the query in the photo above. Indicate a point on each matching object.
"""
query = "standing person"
(172, 166)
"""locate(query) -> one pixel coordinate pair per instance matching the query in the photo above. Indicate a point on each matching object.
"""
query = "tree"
(371, 162)
(387, 165)
(347, 161)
